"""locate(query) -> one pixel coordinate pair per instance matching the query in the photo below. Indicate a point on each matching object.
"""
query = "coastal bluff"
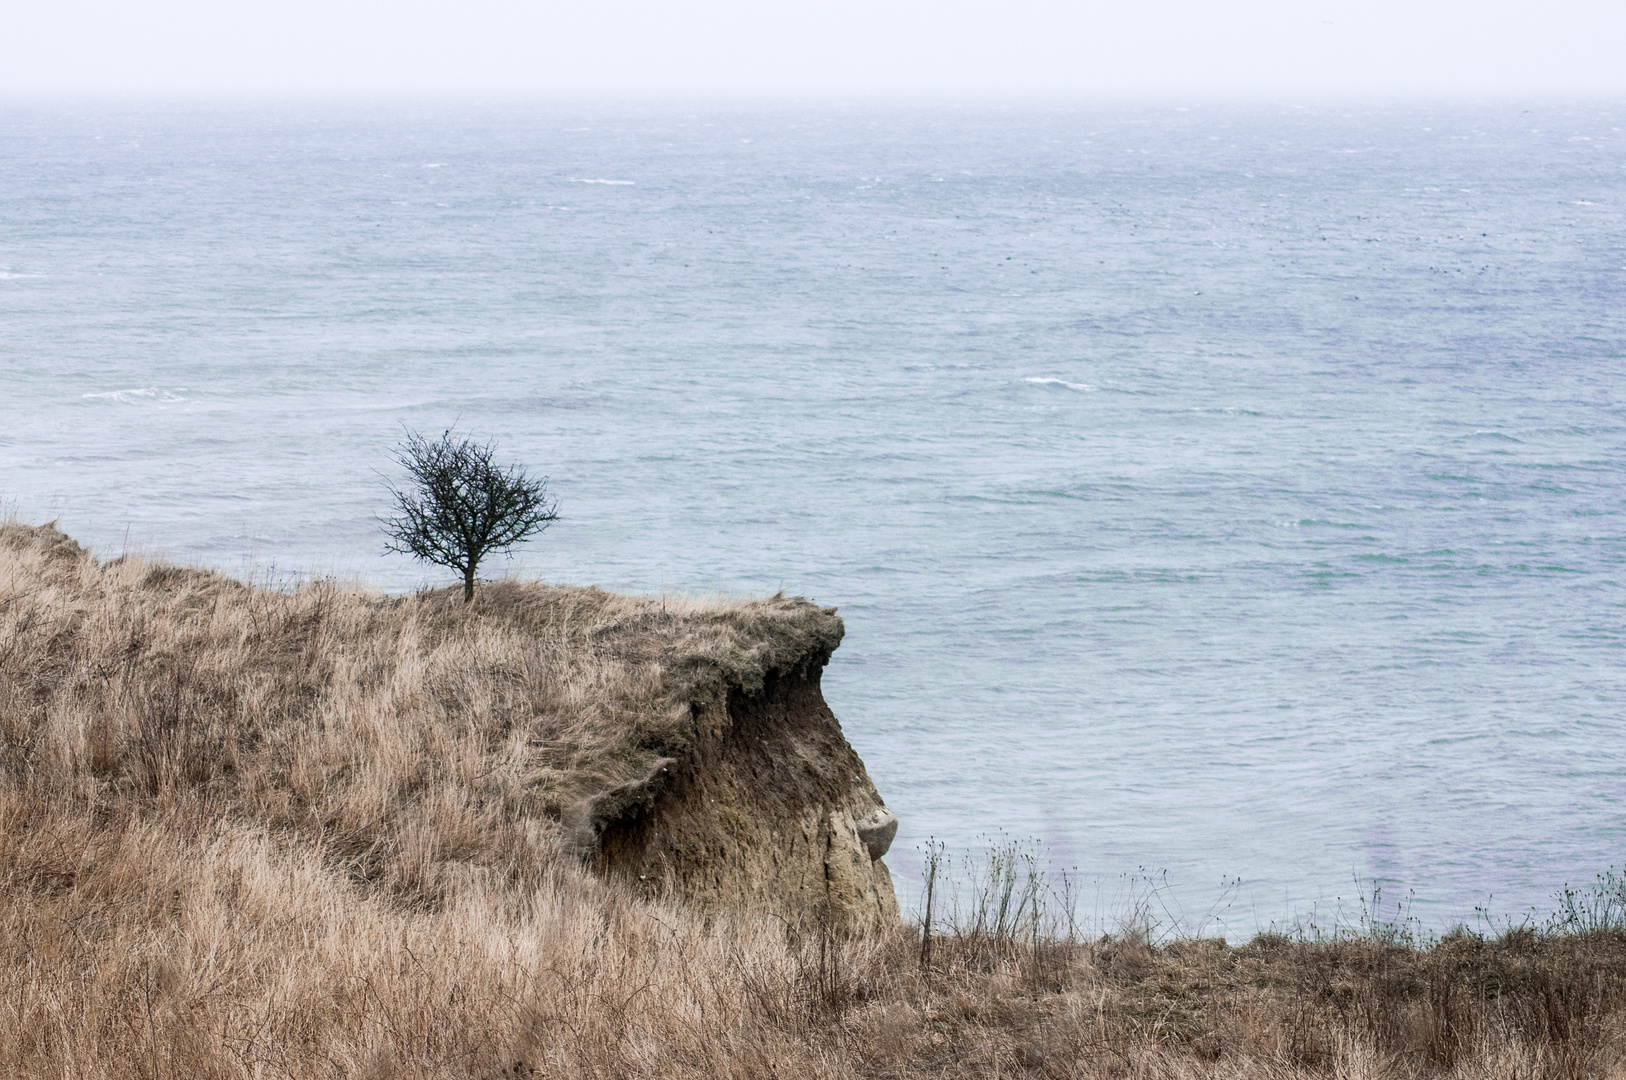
(420, 747)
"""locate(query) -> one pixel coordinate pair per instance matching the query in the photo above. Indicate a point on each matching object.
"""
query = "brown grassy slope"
(179, 948)
(412, 738)
(249, 834)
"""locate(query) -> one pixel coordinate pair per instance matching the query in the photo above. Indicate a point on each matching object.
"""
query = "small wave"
(140, 394)
(618, 183)
(1083, 388)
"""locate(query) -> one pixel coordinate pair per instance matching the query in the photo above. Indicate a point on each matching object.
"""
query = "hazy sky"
(825, 48)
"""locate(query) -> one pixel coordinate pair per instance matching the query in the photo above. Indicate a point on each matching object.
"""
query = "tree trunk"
(468, 585)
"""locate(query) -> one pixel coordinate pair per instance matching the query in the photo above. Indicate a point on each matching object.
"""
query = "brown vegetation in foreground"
(177, 947)
(326, 834)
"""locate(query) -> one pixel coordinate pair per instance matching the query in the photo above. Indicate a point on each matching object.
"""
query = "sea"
(1225, 501)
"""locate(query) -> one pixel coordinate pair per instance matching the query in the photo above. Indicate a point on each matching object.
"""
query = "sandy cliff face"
(769, 807)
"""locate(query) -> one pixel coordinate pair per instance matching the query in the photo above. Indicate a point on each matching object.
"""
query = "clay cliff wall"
(771, 807)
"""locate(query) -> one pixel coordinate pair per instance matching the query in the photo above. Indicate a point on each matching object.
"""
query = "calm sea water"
(1236, 493)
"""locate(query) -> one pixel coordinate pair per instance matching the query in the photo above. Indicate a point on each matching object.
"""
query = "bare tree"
(461, 505)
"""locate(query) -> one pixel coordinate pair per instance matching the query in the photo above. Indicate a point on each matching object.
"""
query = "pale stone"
(876, 832)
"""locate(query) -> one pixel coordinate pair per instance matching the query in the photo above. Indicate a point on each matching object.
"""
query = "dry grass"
(328, 834)
(410, 739)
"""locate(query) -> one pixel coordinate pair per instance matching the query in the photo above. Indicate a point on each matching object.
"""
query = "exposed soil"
(764, 810)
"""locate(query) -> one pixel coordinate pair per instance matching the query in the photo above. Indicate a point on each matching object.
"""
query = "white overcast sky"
(841, 48)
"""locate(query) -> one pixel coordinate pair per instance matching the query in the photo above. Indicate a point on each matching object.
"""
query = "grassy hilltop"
(328, 833)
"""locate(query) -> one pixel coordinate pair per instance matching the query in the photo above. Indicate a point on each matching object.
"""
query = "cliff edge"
(682, 746)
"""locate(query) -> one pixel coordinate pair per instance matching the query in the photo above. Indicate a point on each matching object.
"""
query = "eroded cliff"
(770, 806)
(418, 744)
